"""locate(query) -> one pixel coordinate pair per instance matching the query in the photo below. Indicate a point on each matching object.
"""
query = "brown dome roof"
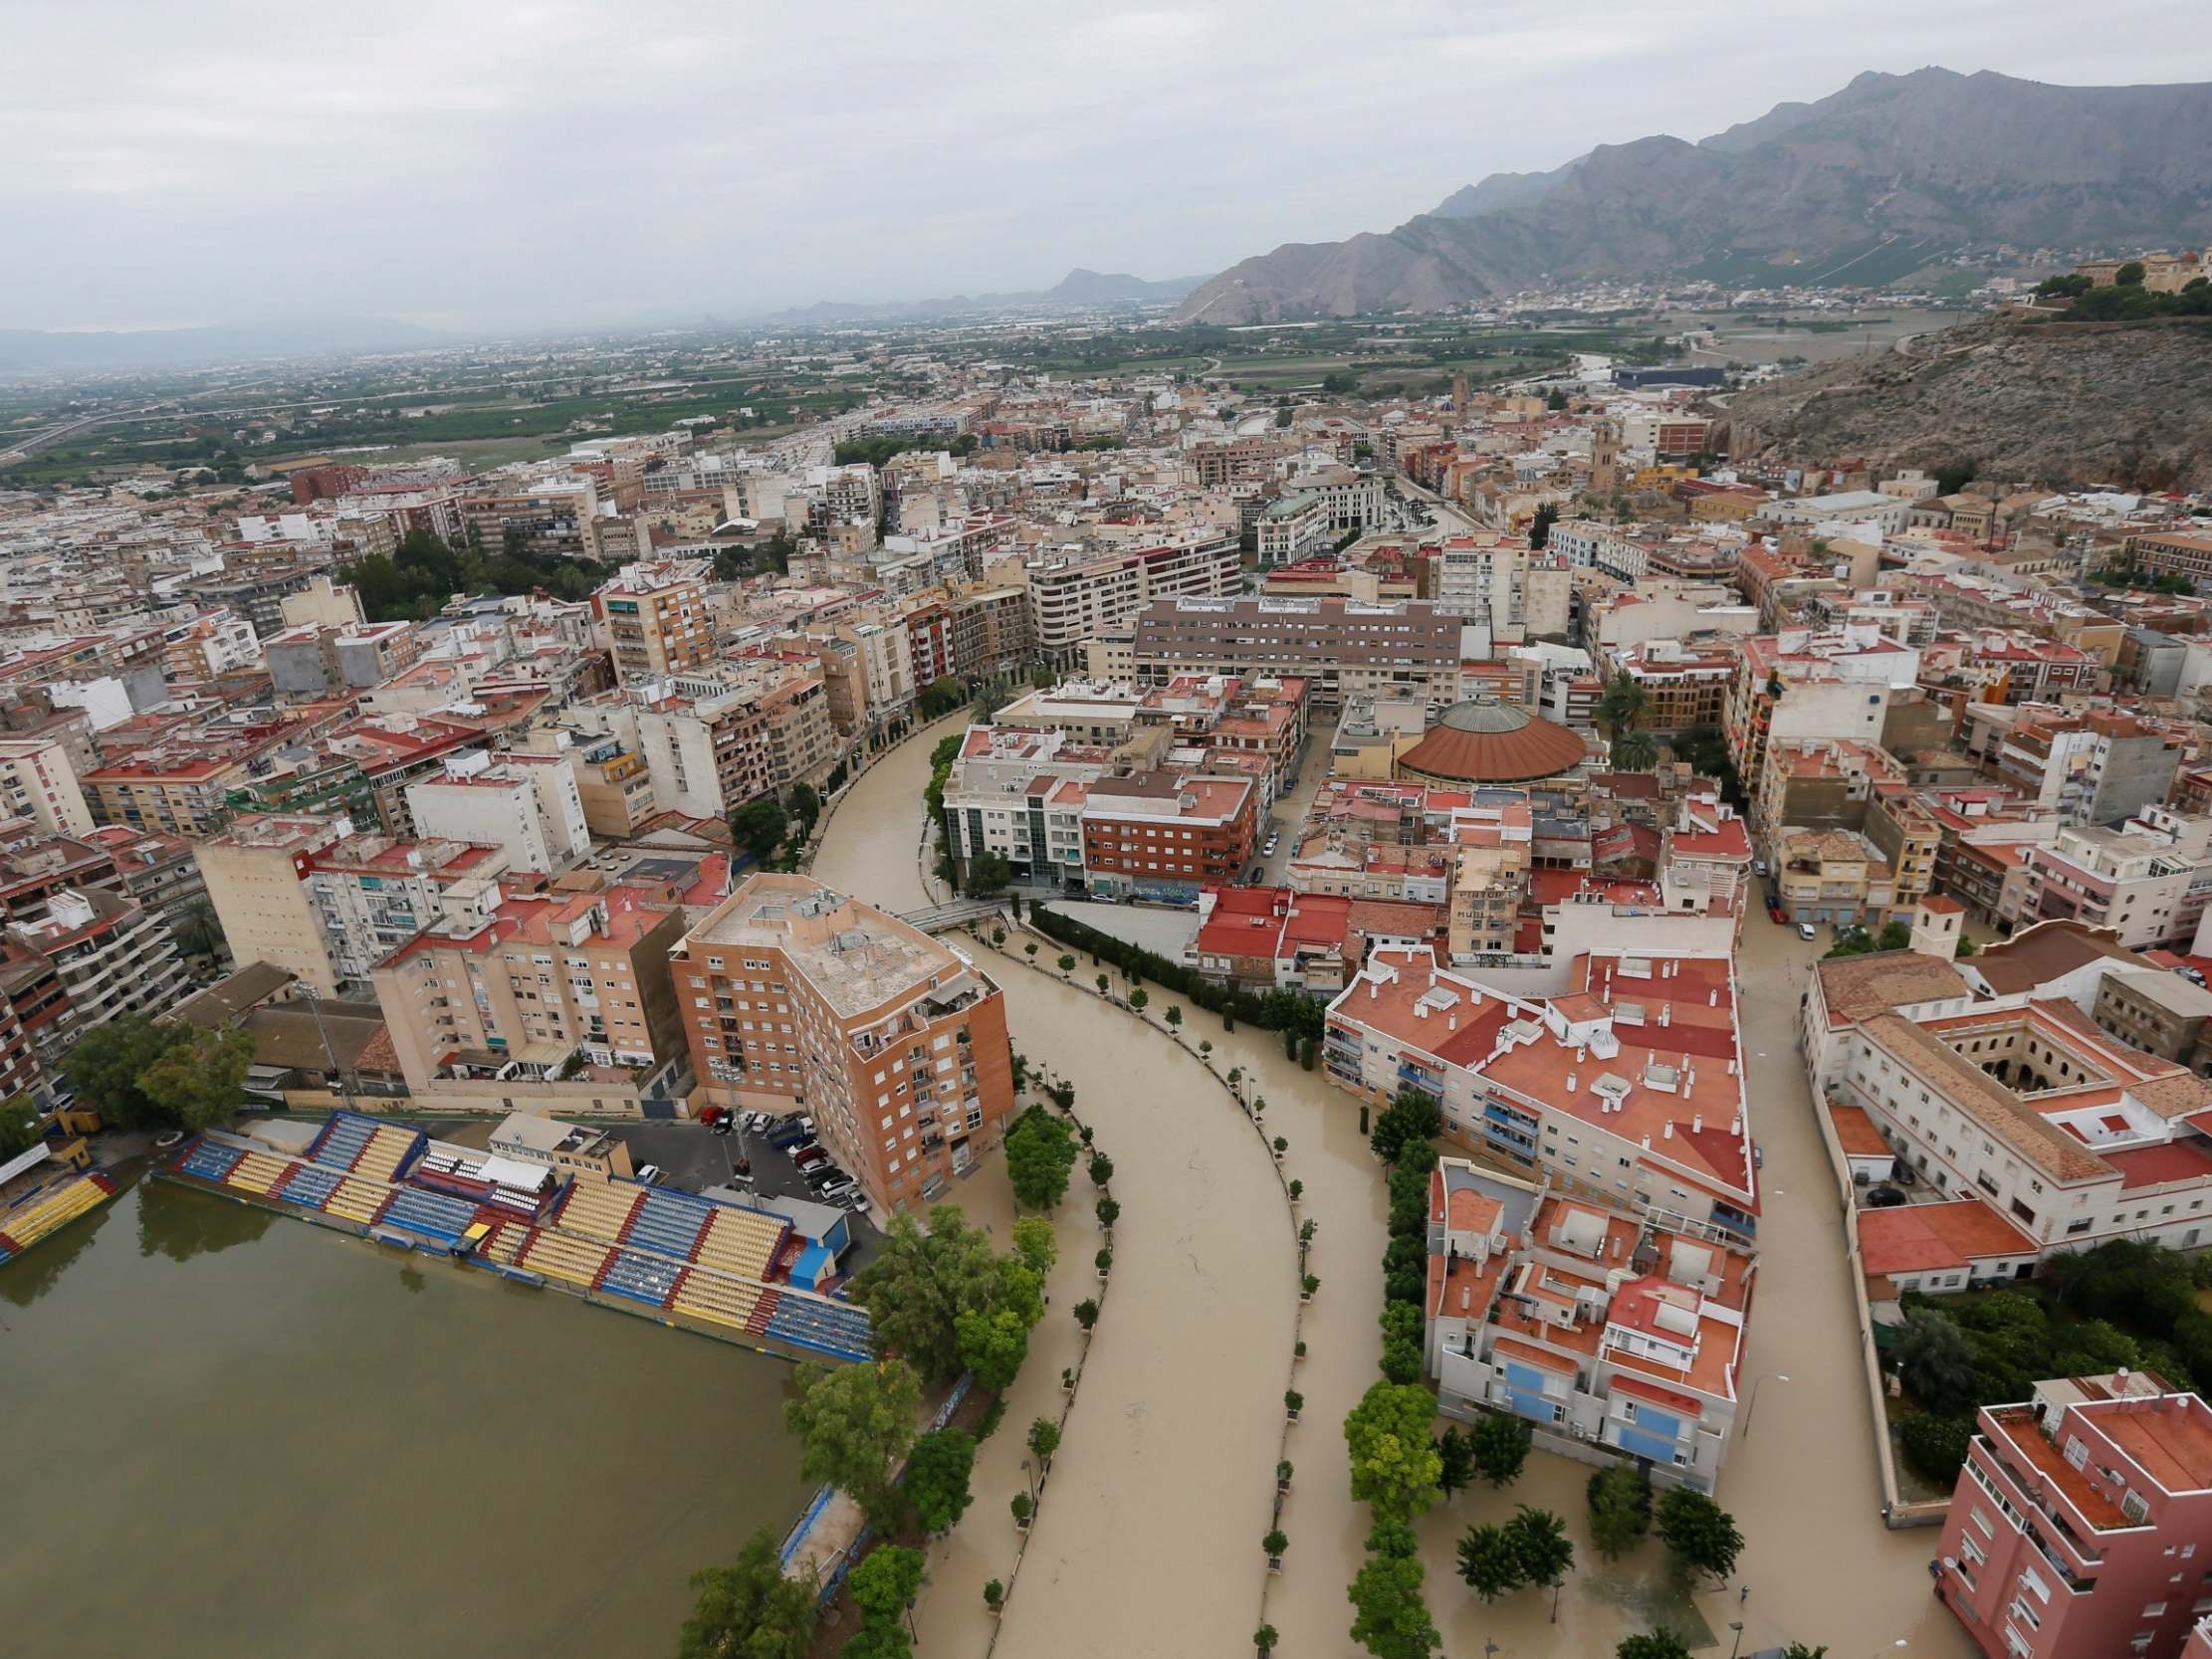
(1493, 742)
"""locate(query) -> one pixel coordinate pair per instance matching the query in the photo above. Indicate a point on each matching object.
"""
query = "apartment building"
(556, 517)
(2170, 553)
(307, 894)
(1162, 836)
(532, 985)
(714, 742)
(653, 617)
(528, 805)
(2148, 880)
(2016, 1101)
(1835, 876)
(1293, 525)
(92, 956)
(615, 787)
(322, 659)
(1597, 1329)
(1018, 792)
(796, 996)
(1806, 683)
(2079, 1521)
(38, 781)
(993, 632)
(2090, 768)
(1073, 600)
(1341, 648)
(1626, 1087)
(1682, 686)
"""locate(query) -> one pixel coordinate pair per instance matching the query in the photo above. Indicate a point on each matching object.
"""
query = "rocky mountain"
(2041, 403)
(1078, 288)
(1860, 187)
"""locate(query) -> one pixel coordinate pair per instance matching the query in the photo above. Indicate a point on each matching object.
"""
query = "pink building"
(2077, 1526)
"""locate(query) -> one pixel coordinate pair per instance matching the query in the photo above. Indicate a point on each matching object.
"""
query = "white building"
(527, 805)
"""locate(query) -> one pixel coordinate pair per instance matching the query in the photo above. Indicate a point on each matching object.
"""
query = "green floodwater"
(229, 1432)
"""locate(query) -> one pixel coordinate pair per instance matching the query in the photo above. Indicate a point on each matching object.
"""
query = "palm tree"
(1621, 705)
(198, 930)
(1545, 1551)
(1635, 751)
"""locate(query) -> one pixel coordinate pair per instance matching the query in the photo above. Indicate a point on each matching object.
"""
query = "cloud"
(523, 162)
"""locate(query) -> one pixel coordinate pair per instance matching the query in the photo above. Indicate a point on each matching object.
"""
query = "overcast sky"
(487, 164)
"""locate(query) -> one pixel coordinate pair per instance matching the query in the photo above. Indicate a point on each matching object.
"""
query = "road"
(1204, 1302)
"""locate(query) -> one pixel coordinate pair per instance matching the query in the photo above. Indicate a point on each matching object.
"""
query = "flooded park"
(237, 1433)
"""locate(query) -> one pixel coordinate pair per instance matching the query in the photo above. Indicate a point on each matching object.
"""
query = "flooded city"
(1165, 1475)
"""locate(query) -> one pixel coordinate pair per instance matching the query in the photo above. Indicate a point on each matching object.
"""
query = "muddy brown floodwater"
(1148, 1540)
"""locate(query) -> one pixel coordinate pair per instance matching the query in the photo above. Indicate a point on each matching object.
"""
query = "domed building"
(1486, 741)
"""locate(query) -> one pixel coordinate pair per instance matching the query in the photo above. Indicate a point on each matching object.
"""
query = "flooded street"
(1149, 1537)
(242, 1434)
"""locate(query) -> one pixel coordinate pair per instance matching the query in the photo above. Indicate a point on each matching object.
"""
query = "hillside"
(2041, 403)
(1916, 163)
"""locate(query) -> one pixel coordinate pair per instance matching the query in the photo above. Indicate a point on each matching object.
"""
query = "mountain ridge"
(1933, 157)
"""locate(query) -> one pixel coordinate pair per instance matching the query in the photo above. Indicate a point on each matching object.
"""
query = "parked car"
(1806, 930)
(755, 1122)
(1774, 914)
(652, 1174)
(806, 1158)
(1758, 867)
(1258, 875)
(721, 1126)
(831, 1192)
(787, 1134)
(714, 1115)
(1884, 1199)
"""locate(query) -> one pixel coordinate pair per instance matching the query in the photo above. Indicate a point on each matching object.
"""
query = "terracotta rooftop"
(1929, 1238)
(1857, 989)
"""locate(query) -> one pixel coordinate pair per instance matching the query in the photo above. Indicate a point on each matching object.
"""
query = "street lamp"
(1736, 1646)
(1752, 1404)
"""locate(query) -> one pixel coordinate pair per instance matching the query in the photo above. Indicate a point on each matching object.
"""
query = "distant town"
(1317, 960)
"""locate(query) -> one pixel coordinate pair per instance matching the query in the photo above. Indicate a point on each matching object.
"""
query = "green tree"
(1500, 1447)
(1395, 1471)
(748, 1609)
(1658, 1642)
(1934, 1362)
(1101, 1169)
(1541, 1545)
(993, 1343)
(1489, 1563)
(1620, 1509)
(105, 1067)
(989, 874)
(878, 1639)
(1036, 1244)
(1389, 1616)
(1412, 1116)
(1936, 1445)
(2129, 274)
(200, 934)
(922, 1280)
(854, 1424)
(1402, 1362)
(807, 806)
(938, 1472)
(758, 827)
(1040, 1151)
(1539, 528)
(1044, 1439)
(1454, 1452)
(1140, 998)
(198, 1082)
(1701, 1535)
(885, 1582)
(21, 1126)
(1894, 935)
